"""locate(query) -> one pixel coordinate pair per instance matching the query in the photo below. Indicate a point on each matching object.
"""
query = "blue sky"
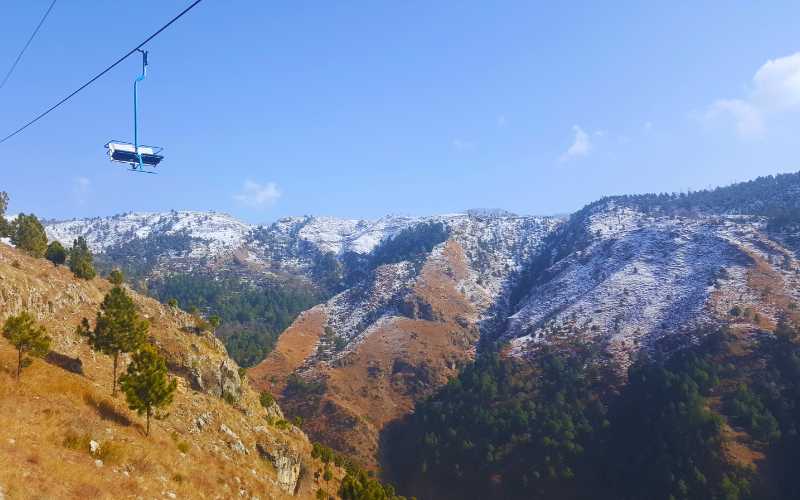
(360, 109)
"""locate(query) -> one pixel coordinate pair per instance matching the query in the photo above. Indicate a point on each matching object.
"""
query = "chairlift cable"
(96, 77)
(21, 52)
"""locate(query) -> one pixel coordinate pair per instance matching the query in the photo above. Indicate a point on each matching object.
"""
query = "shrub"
(4, 229)
(55, 253)
(749, 411)
(146, 385)
(28, 337)
(75, 441)
(110, 452)
(81, 261)
(116, 277)
(295, 385)
(266, 399)
(27, 234)
(229, 398)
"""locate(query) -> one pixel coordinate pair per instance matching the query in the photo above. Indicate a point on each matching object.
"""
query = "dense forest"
(252, 316)
(138, 256)
(410, 243)
(563, 426)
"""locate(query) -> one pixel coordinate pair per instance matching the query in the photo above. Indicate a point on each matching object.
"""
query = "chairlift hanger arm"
(136, 107)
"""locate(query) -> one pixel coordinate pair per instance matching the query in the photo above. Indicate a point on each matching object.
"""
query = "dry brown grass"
(50, 415)
(106, 409)
(401, 362)
(293, 347)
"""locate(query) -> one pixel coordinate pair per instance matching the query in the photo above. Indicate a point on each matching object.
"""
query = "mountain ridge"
(406, 302)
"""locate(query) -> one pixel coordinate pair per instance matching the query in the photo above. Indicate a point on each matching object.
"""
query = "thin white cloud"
(775, 89)
(258, 195)
(648, 126)
(581, 145)
(747, 118)
(81, 187)
(462, 145)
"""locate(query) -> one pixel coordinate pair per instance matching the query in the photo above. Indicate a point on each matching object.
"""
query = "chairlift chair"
(138, 157)
(125, 152)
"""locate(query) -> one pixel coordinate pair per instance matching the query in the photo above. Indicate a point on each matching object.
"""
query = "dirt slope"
(399, 360)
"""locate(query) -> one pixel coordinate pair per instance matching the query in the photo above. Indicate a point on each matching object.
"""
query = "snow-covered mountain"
(626, 274)
(293, 244)
(179, 241)
(640, 278)
(408, 300)
(215, 233)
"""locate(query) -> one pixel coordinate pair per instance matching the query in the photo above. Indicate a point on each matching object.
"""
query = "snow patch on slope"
(220, 232)
(640, 278)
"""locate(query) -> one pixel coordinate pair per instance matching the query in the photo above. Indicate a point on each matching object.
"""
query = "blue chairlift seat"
(125, 152)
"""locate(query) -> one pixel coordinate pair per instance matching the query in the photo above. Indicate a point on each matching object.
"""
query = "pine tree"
(116, 277)
(28, 337)
(4, 227)
(81, 262)
(146, 385)
(215, 321)
(27, 234)
(55, 253)
(118, 328)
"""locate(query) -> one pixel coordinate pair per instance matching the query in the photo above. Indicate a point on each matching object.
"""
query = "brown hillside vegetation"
(399, 361)
(63, 435)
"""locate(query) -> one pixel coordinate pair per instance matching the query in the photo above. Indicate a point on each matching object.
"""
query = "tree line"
(27, 234)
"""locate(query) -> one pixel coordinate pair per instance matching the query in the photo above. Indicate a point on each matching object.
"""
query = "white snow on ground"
(353, 310)
(640, 278)
(359, 236)
(220, 232)
(495, 248)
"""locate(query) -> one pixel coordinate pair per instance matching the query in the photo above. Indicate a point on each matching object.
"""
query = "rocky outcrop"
(286, 461)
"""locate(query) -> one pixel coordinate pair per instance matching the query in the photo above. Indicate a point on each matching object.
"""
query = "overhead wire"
(96, 77)
(25, 47)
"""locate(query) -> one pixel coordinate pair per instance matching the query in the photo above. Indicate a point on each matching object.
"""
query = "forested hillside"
(717, 420)
(252, 316)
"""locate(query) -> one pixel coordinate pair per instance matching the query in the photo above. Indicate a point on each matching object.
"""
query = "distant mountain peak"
(490, 212)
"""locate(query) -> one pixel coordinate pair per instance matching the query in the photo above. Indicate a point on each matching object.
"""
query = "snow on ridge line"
(223, 232)
(103, 232)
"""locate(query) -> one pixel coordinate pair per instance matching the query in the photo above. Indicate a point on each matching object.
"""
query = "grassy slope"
(50, 405)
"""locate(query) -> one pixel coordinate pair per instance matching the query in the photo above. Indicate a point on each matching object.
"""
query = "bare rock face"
(233, 440)
(204, 363)
(286, 461)
(221, 379)
(274, 412)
